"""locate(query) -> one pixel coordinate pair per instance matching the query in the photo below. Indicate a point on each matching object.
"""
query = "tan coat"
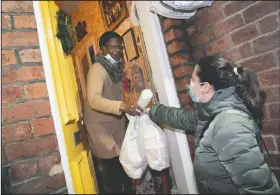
(104, 122)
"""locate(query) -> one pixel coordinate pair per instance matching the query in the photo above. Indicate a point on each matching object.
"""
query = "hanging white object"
(162, 9)
(188, 5)
(132, 156)
(133, 14)
(154, 143)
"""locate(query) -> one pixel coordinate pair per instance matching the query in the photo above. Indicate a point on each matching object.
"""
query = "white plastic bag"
(162, 9)
(154, 143)
(132, 156)
(188, 5)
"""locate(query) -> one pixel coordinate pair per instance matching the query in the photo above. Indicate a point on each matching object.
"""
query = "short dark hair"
(105, 37)
(219, 72)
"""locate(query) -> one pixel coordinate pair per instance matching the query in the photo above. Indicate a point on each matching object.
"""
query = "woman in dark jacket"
(226, 126)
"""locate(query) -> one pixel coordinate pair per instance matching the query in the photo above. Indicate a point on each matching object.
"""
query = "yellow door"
(68, 99)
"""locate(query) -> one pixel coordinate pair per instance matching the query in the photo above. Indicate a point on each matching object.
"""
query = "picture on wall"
(130, 45)
(113, 13)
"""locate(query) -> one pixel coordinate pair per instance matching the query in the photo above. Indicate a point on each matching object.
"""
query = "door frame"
(164, 82)
(52, 96)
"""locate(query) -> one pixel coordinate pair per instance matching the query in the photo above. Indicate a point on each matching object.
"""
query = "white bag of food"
(154, 143)
(132, 156)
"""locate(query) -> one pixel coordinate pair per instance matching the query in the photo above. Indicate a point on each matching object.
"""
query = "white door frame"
(164, 82)
(52, 96)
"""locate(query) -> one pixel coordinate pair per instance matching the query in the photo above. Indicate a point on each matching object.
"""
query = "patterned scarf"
(115, 71)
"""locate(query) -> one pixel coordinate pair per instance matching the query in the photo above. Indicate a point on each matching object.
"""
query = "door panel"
(68, 100)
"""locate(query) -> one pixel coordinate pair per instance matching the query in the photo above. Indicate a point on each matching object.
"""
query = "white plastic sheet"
(188, 5)
(177, 9)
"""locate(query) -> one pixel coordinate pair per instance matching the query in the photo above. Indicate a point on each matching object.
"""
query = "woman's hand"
(131, 110)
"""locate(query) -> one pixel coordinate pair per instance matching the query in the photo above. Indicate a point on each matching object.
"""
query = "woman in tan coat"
(104, 113)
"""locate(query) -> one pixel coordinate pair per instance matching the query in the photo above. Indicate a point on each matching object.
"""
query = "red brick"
(218, 45)
(6, 22)
(228, 25)
(182, 71)
(26, 110)
(244, 34)
(269, 142)
(31, 148)
(235, 6)
(182, 84)
(233, 54)
(199, 53)
(272, 94)
(23, 170)
(265, 113)
(175, 46)
(43, 126)
(17, 6)
(238, 53)
(269, 78)
(184, 98)
(179, 59)
(43, 185)
(16, 132)
(208, 18)
(274, 110)
(260, 63)
(27, 21)
(275, 159)
(168, 23)
(271, 127)
(277, 57)
(191, 30)
(46, 163)
(203, 38)
(35, 90)
(267, 24)
(201, 12)
(267, 42)
(246, 50)
(10, 94)
(8, 57)
(30, 55)
(219, 3)
(278, 143)
(24, 73)
(260, 9)
(172, 34)
(19, 39)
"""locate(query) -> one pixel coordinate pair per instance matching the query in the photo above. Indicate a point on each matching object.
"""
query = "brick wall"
(29, 143)
(246, 32)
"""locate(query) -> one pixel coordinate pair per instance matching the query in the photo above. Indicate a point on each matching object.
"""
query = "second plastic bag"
(132, 156)
(154, 143)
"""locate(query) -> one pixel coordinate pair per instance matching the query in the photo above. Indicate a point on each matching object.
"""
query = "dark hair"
(105, 37)
(220, 73)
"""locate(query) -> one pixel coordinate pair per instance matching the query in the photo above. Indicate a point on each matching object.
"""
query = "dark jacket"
(227, 156)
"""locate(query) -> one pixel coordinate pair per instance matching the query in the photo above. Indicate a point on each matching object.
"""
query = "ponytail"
(248, 89)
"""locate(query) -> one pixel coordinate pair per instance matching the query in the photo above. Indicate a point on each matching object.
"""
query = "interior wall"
(91, 14)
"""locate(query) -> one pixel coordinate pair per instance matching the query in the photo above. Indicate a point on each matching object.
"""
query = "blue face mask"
(194, 98)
